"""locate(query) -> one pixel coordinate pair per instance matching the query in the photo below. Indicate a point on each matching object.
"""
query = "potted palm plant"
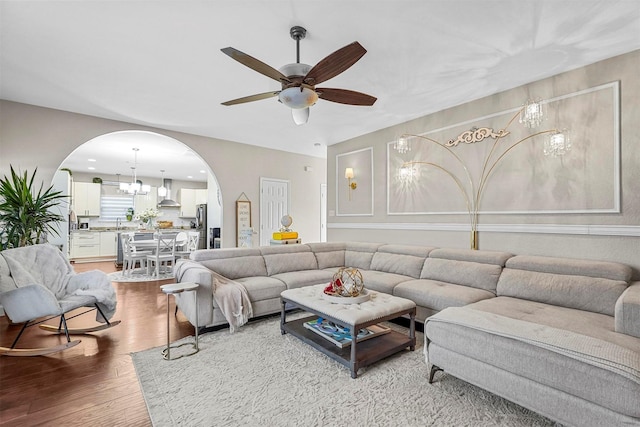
(24, 213)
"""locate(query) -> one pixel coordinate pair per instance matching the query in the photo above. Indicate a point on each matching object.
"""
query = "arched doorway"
(117, 159)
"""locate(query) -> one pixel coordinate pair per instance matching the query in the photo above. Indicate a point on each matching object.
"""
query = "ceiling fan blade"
(344, 96)
(252, 98)
(255, 64)
(335, 63)
(300, 115)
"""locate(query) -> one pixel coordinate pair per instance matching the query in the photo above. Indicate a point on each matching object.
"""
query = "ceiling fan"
(299, 81)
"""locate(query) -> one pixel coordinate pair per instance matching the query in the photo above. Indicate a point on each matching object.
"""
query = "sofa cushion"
(298, 279)
(437, 296)
(232, 263)
(580, 292)
(286, 258)
(400, 259)
(262, 287)
(628, 311)
(359, 255)
(381, 281)
(575, 267)
(471, 255)
(471, 274)
(328, 255)
(596, 325)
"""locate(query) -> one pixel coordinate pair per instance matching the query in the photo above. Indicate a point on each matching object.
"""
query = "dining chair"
(131, 256)
(181, 241)
(191, 245)
(165, 254)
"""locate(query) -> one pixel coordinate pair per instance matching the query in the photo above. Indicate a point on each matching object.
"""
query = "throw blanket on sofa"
(233, 300)
(593, 351)
(45, 265)
(230, 296)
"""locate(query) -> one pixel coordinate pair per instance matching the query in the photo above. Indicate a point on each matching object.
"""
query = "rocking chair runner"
(38, 281)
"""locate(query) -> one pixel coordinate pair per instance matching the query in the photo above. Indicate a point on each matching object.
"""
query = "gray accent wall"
(598, 236)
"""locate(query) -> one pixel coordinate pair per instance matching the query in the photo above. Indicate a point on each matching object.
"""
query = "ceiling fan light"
(300, 115)
(293, 97)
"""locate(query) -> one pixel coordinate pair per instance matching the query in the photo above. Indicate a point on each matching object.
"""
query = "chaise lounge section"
(562, 337)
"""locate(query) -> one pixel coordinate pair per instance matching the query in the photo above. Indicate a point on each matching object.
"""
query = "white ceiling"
(158, 63)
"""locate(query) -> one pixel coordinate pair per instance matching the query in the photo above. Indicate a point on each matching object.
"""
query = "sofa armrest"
(193, 271)
(627, 312)
(29, 302)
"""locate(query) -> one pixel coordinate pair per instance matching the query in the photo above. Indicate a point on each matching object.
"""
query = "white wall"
(603, 236)
(39, 137)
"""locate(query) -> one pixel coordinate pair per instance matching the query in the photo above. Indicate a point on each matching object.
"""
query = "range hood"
(166, 202)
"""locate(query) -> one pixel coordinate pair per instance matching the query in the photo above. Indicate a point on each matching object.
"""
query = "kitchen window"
(113, 208)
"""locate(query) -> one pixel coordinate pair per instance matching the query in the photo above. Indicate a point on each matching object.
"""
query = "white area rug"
(139, 275)
(257, 377)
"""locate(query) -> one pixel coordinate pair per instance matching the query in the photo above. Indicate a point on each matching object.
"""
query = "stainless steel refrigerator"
(201, 225)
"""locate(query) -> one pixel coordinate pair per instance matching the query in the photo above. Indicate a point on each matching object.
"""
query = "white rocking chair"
(38, 281)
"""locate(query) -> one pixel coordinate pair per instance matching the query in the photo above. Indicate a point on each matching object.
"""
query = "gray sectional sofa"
(558, 336)
(453, 277)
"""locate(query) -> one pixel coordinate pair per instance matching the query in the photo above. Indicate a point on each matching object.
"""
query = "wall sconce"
(557, 144)
(532, 113)
(348, 173)
(402, 144)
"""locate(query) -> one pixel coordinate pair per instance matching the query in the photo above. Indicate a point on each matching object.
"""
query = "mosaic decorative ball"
(348, 282)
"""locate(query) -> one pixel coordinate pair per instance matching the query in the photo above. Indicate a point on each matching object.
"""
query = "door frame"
(323, 212)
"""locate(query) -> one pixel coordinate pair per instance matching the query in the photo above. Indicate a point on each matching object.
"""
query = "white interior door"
(323, 212)
(274, 204)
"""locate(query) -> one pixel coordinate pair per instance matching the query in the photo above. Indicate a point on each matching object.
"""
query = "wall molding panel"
(586, 229)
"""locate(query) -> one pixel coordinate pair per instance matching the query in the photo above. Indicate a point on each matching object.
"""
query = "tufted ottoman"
(359, 354)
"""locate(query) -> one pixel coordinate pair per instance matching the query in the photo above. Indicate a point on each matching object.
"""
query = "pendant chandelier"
(136, 186)
(162, 190)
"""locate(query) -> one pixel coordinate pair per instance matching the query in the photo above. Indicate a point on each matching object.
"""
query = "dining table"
(151, 245)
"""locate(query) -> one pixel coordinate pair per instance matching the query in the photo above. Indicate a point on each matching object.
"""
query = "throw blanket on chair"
(230, 296)
(46, 265)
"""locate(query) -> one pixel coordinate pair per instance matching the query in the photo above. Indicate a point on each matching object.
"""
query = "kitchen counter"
(132, 229)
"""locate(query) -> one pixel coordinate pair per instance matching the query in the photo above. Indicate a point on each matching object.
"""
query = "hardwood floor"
(93, 383)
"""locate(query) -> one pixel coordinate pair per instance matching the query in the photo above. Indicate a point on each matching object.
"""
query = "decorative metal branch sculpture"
(472, 195)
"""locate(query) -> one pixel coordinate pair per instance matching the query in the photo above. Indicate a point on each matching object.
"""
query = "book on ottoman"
(340, 335)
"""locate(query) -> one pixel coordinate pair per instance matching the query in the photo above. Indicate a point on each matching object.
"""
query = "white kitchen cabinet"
(202, 195)
(187, 203)
(189, 199)
(86, 198)
(85, 244)
(108, 243)
(146, 201)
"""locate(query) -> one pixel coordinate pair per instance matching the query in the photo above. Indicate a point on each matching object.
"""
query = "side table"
(173, 289)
